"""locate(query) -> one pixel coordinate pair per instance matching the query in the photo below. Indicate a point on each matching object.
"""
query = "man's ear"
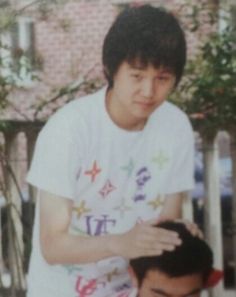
(133, 277)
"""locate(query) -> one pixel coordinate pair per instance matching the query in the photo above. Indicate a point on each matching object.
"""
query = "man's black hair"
(193, 256)
(147, 35)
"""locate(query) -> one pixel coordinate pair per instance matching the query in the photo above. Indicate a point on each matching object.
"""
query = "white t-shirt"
(115, 178)
(131, 292)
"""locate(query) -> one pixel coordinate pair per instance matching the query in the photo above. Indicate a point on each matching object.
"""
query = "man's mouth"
(145, 104)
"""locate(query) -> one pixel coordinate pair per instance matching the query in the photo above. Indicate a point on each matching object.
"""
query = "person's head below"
(145, 36)
(183, 272)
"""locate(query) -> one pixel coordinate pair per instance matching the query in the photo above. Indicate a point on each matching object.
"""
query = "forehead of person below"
(158, 284)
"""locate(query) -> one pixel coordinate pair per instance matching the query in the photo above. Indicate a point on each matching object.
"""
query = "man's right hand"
(146, 240)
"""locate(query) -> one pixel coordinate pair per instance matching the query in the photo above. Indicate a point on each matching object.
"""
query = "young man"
(108, 165)
(183, 272)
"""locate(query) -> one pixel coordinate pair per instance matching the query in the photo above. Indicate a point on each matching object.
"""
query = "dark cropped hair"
(148, 35)
(193, 256)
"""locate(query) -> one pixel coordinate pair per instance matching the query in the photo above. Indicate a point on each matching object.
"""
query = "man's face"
(137, 91)
(158, 284)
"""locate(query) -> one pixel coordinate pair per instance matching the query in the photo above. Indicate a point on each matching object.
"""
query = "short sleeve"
(181, 174)
(56, 157)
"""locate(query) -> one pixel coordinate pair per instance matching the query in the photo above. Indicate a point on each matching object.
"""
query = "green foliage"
(46, 8)
(7, 17)
(210, 86)
(13, 74)
(15, 66)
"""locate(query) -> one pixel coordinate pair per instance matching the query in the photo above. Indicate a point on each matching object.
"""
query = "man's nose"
(147, 89)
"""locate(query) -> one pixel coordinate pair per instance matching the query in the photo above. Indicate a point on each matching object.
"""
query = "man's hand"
(191, 226)
(172, 211)
(146, 240)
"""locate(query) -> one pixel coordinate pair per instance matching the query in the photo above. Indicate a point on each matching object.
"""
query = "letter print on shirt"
(161, 159)
(93, 172)
(99, 226)
(158, 202)
(81, 209)
(123, 207)
(71, 269)
(86, 288)
(111, 274)
(129, 167)
(142, 177)
(78, 174)
(107, 188)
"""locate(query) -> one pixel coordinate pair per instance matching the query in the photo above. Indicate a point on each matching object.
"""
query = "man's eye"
(136, 76)
(163, 78)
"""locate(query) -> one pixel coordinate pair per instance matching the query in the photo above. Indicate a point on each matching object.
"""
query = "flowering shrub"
(210, 85)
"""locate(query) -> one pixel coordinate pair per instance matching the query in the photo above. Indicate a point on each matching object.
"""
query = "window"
(227, 15)
(224, 18)
(121, 2)
(4, 3)
(233, 19)
(18, 52)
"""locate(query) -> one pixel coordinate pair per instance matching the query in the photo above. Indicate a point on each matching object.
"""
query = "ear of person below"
(214, 278)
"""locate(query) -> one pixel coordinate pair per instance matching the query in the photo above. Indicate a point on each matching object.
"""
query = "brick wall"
(68, 42)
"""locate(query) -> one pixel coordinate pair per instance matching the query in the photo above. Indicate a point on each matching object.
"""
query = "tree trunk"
(15, 228)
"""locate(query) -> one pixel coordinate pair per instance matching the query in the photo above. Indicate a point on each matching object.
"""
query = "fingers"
(145, 239)
(152, 248)
(151, 222)
(194, 230)
(162, 219)
(163, 235)
(154, 241)
(158, 249)
(192, 227)
(158, 220)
